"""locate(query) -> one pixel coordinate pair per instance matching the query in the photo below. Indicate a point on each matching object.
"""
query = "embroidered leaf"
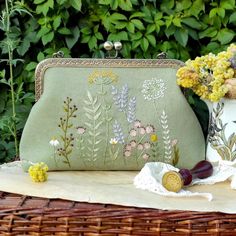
(93, 113)
(166, 138)
(97, 116)
(89, 116)
(90, 97)
(88, 124)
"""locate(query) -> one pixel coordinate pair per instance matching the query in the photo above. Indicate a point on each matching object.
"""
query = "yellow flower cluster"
(206, 75)
(38, 172)
(102, 77)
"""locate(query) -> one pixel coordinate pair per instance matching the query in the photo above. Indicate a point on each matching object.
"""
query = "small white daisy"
(54, 142)
(113, 141)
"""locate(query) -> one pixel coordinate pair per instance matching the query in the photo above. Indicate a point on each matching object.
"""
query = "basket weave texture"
(24, 215)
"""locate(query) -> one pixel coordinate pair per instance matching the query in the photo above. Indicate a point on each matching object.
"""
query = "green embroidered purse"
(110, 114)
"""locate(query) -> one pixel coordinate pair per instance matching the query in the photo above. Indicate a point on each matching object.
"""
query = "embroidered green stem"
(107, 119)
(65, 125)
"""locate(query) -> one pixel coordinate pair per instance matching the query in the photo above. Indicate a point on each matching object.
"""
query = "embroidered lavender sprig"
(119, 136)
(131, 117)
(124, 96)
(120, 97)
(116, 96)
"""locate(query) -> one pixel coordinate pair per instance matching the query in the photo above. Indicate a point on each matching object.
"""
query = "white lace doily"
(150, 178)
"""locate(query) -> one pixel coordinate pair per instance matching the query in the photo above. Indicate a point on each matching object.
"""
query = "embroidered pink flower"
(128, 147)
(142, 130)
(146, 156)
(140, 146)
(133, 143)
(174, 142)
(133, 132)
(137, 123)
(147, 145)
(81, 130)
(127, 153)
(150, 129)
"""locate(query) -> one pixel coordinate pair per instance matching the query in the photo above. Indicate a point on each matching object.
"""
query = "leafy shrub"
(183, 29)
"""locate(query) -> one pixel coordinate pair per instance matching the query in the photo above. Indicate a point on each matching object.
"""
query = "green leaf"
(64, 31)
(227, 4)
(125, 5)
(56, 22)
(117, 17)
(38, 1)
(192, 22)
(151, 39)
(225, 36)
(71, 40)
(40, 56)
(85, 38)
(137, 15)
(118, 36)
(23, 47)
(177, 22)
(76, 4)
(150, 28)
(213, 12)
(232, 18)
(135, 44)
(130, 27)
(144, 44)
(136, 36)
(138, 24)
(208, 33)
(47, 38)
(181, 35)
(99, 36)
(43, 31)
(221, 12)
(197, 7)
(31, 66)
(92, 43)
(86, 30)
(170, 31)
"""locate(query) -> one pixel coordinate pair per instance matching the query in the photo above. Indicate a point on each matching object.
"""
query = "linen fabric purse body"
(110, 114)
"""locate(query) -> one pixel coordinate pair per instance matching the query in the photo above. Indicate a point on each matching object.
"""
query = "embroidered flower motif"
(145, 156)
(81, 130)
(174, 142)
(133, 143)
(133, 132)
(153, 138)
(38, 172)
(128, 147)
(54, 142)
(150, 129)
(153, 89)
(147, 145)
(137, 123)
(102, 77)
(127, 153)
(113, 141)
(142, 130)
(140, 146)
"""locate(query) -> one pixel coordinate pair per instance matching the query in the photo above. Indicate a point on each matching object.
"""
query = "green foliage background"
(183, 29)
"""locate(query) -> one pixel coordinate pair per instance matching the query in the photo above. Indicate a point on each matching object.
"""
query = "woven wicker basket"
(24, 215)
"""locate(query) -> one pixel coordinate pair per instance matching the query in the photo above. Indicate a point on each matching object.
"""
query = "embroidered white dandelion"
(153, 89)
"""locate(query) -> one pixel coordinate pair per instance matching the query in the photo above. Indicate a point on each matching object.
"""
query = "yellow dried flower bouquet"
(211, 76)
